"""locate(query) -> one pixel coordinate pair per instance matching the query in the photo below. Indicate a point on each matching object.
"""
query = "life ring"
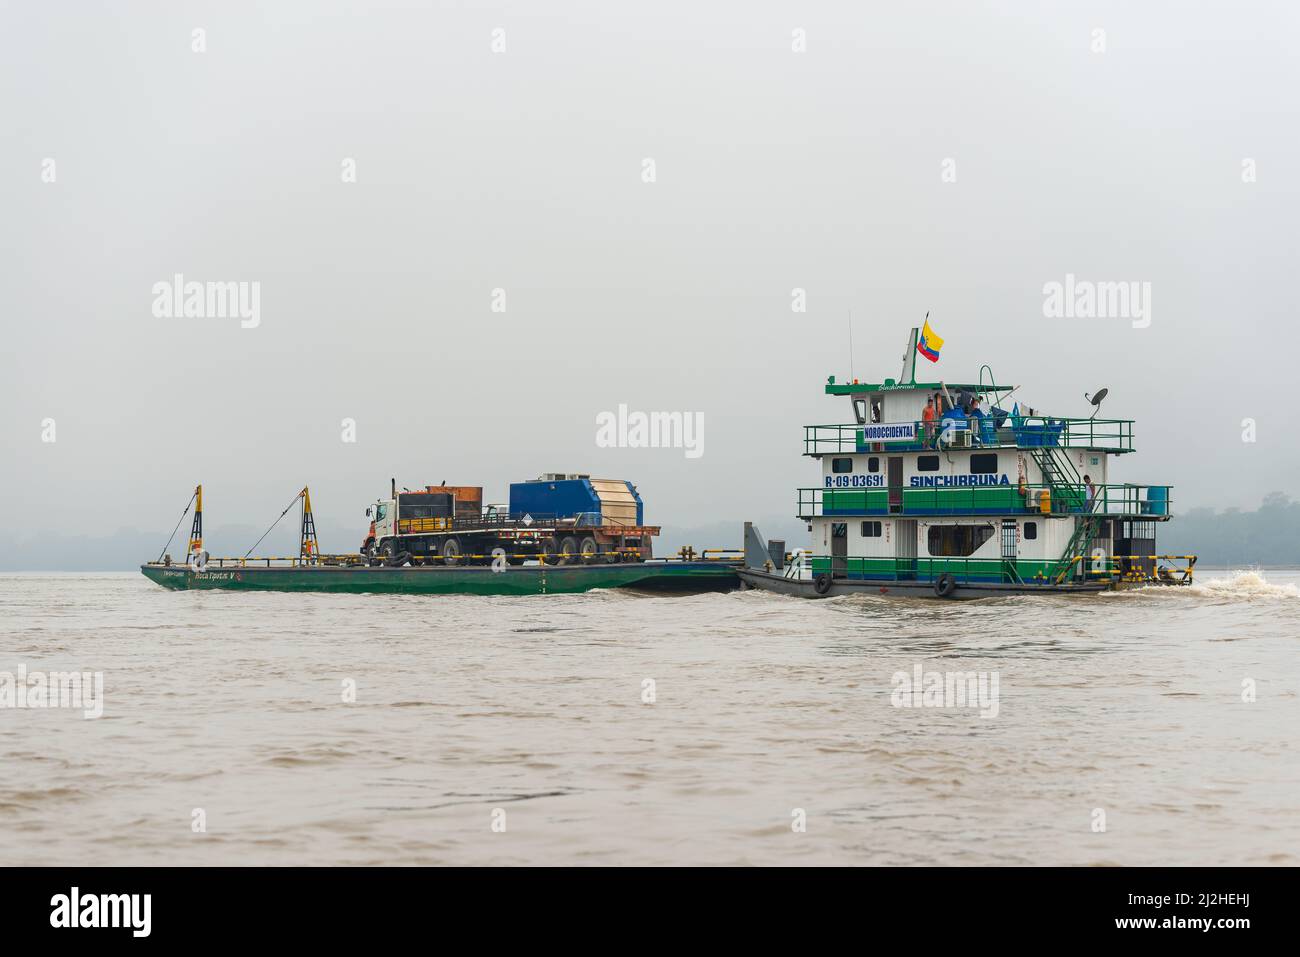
(945, 585)
(822, 583)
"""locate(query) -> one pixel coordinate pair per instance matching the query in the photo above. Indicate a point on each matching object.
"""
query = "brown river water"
(623, 728)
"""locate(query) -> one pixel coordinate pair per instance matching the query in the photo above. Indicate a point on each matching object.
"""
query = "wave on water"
(1242, 585)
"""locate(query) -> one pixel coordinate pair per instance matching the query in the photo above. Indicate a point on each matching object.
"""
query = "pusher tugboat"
(959, 491)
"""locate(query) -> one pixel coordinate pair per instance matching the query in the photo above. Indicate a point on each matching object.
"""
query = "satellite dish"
(1096, 401)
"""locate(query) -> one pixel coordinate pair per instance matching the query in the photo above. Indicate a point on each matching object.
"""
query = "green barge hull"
(666, 576)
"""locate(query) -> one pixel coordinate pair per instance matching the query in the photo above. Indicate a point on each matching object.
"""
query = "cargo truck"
(557, 519)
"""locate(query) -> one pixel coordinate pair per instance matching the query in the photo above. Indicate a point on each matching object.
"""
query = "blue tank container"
(563, 498)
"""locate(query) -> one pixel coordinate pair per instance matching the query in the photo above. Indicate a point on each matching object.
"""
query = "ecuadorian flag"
(930, 343)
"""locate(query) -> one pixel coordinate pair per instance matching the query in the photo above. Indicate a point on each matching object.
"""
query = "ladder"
(1085, 531)
(1059, 474)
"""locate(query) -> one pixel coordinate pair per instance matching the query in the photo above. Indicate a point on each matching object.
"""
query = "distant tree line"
(1270, 535)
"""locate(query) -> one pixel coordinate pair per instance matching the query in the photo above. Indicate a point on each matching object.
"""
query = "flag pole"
(908, 374)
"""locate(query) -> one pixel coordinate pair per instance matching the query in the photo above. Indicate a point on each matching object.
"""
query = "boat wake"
(1241, 585)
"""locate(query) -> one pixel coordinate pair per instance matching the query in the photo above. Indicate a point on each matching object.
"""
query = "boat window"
(958, 540)
(841, 465)
(983, 463)
(839, 529)
(876, 408)
(860, 410)
(873, 464)
(1031, 531)
(927, 463)
(871, 530)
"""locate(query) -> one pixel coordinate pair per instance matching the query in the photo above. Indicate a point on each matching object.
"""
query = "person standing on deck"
(1092, 491)
(927, 422)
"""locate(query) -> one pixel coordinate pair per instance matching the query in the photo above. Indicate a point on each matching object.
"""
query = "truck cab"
(383, 517)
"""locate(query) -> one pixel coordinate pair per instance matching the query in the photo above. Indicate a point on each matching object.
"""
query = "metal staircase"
(1068, 495)
(1080, 542)
(1059, 474)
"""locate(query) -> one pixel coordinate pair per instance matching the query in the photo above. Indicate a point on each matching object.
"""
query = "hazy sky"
(524, 171)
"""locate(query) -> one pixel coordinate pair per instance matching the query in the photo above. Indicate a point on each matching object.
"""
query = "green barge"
(540, 579)
(442, 541)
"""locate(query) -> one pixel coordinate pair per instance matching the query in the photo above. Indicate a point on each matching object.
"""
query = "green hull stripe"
(527, 580)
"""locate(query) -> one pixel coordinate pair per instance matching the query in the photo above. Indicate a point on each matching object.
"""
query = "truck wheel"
(389, 551)
(451, 551)
(589, 551)
(568, 550)
(546, 552)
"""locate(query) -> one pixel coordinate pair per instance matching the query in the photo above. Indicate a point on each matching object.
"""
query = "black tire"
(389, 552)
(822, 583)
(547, 551)
(568, 551)
(451, 551)
(589, 551)
(945, 585)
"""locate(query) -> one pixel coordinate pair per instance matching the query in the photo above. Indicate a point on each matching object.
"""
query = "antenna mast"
(851, 379)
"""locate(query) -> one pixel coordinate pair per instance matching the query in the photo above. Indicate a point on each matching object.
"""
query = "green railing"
(1139, 501)
(1123, 569)
(925, 569)
(1017, 432)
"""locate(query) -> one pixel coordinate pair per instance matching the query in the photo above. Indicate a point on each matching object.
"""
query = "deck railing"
(1015, 432)
(921, 569)
(1139, 569)
(1150, 502)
